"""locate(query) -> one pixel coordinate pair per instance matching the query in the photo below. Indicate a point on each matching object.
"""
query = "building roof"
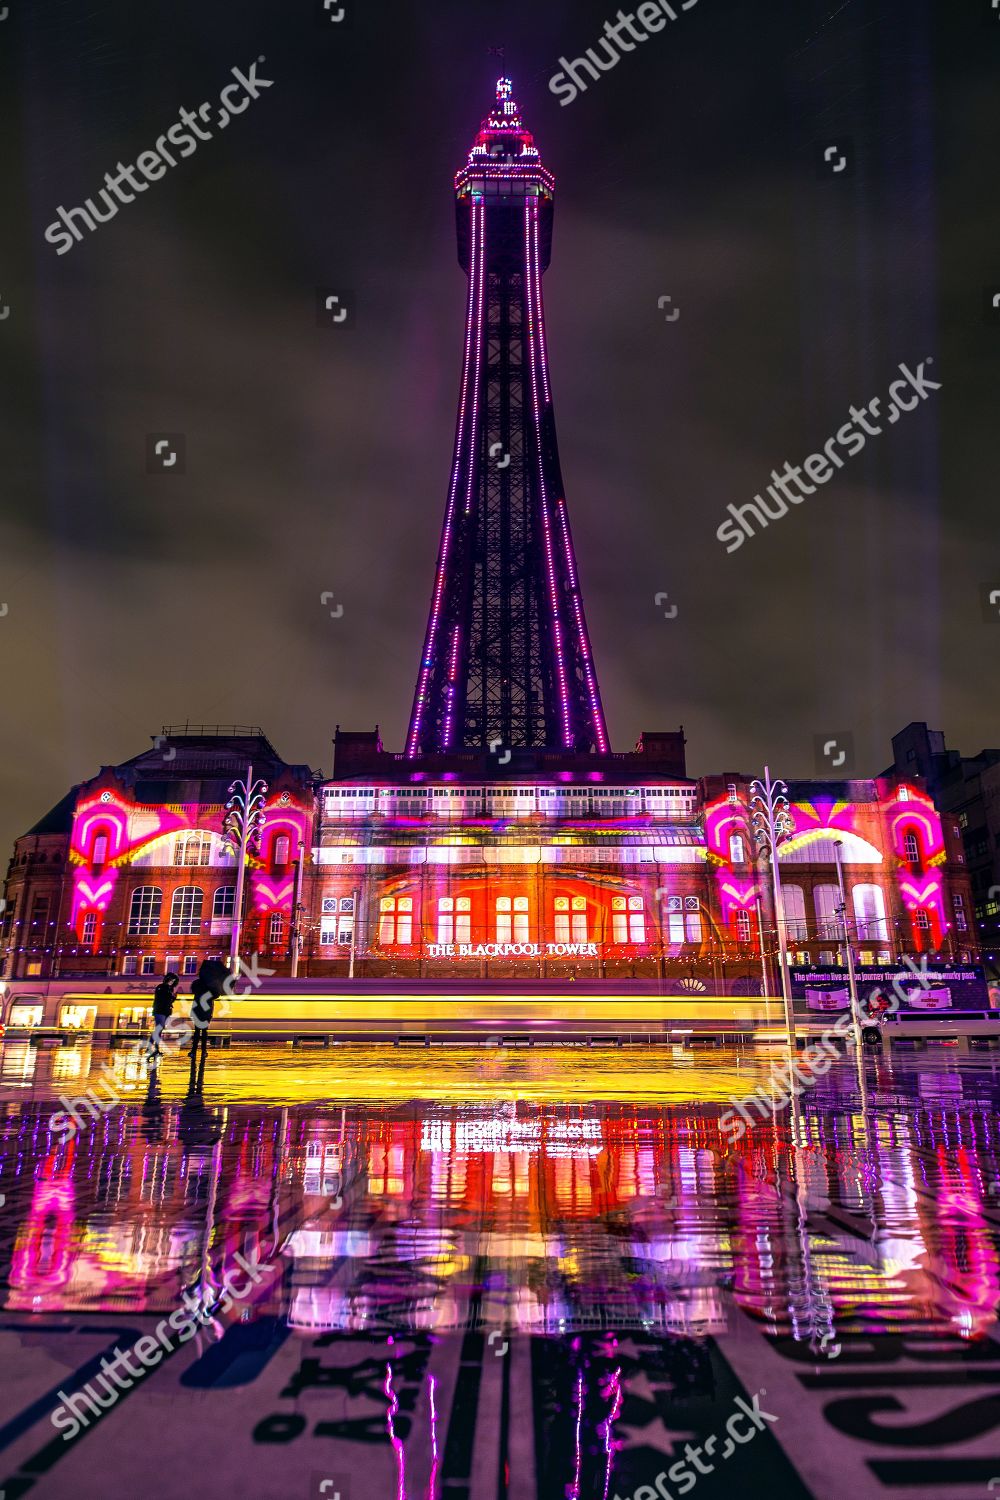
(58, 819)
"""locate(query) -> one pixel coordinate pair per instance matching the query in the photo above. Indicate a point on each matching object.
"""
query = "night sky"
(317, 459)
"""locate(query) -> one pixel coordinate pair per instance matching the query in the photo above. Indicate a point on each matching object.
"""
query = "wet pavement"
(465, 1276)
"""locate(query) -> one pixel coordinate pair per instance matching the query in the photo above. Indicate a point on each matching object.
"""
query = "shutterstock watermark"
(170, 1038)
(184, 135)
(682, 1476)
(80, 1408)
(790, 488)
(653, 15)
(791, 1081)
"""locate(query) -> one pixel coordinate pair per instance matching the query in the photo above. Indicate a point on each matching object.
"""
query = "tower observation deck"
(506, 658)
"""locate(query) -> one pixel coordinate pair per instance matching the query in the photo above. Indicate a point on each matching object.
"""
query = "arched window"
(742, 925)
(193, 848)
(737, 849)
(911, 848)
(922, 919)
(282, 847)
(185, 911)
(224, 904)
(144, 911)
(100, 851)
(794, 907)
(826, 899)
(869, 912)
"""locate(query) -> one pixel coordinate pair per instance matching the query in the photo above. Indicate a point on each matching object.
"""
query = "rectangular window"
(90, 927)
(675, 920)
(130, 963)
(148, 965)
(961, 922)
(395, 921)
(692, 919)
(560, 924)
(636, 920)
(504, 919)
(276, 929)
(190, 964)
(522, 925)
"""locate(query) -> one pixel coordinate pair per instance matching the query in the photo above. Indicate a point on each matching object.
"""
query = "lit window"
(504, 919)
(561, 920)
(144, 910)
(737, 849)
(961, 921)
(692, 919)
(869, 913)
(185, 911)
(446, 920)
(193, 849)
(911, 848)
(522, 933)
(675, 920)
(100, 853)
(794, 906)
(922, 919)
(282, 847)
(579, 919)
(395, 921)
(628, 919)
(742, 926)
(224, 903)
(826, 900)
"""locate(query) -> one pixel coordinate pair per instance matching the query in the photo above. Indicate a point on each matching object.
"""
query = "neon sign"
(513, 950)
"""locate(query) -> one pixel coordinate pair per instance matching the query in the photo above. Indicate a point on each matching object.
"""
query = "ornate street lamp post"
(241, 831)
(772, 822)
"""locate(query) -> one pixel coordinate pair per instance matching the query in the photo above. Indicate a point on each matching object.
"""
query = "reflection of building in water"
(541, 1219)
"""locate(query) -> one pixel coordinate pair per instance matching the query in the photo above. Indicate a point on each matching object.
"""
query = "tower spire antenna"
(507, 658)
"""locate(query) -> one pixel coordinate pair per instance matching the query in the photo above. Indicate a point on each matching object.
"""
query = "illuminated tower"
(506, 658)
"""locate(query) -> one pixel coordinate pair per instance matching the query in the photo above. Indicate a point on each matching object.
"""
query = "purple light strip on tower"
(540, 312)
(430, 643)
(586, 656)
(478, 346)
(449, 718)
(530, 248)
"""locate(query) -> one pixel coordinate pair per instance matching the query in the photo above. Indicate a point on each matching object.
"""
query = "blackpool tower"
(507, 658)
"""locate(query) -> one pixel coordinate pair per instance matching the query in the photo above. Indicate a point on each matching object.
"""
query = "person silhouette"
(208, 987)
(163, 1004)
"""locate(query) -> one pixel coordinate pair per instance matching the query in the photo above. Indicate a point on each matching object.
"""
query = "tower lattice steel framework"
(507, 658)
